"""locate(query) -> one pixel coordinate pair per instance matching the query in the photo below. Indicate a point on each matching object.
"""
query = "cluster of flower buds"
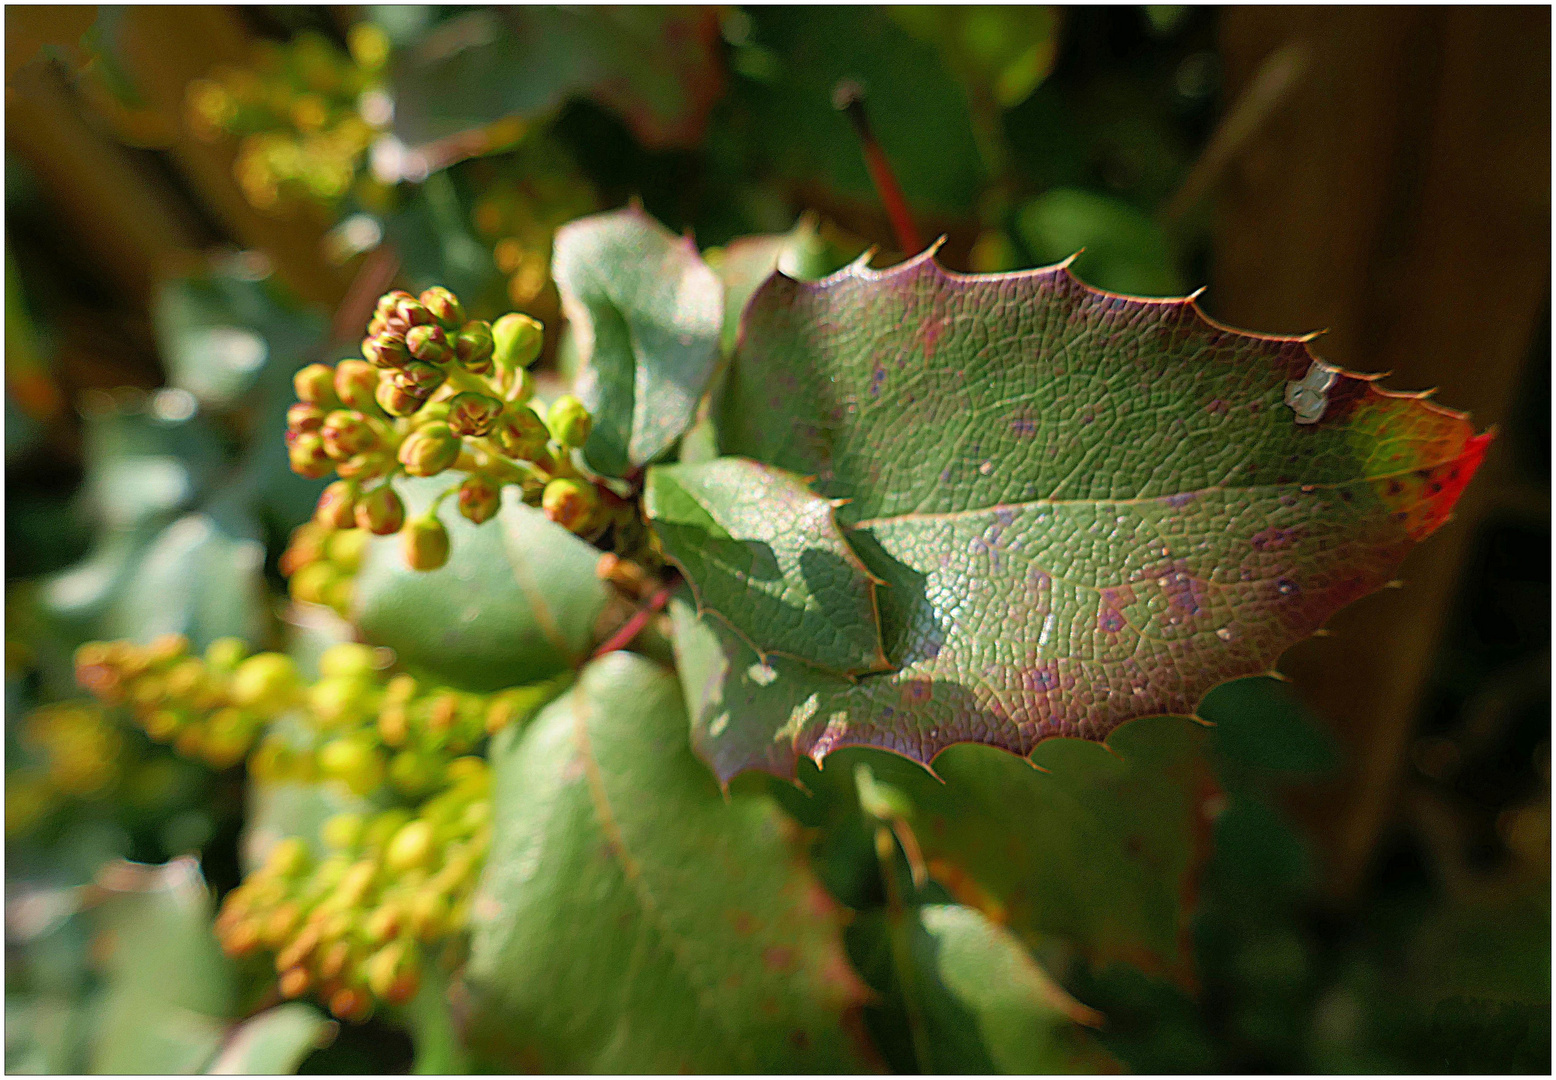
(526, 196)
(209, 707)
(75, 751)
(354, 924)
(371, 732)
(436, 393)
(305, 112)
(321, 562)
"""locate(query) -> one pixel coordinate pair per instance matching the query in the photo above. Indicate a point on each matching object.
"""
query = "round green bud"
(343, 832)
(266, 683)
(429, 344)
(411, 849)
(356, 381)
(310, 583)
(384, 826)
(380, 511)
(225, 654)
(315, 384)
(445, 307)
(570, 503)
(479, 499)
(344, 548)
(516, 340)
(473, 414)
(521, 433)
(569, 421)
(341, 701)
(353, 762)
(348, 659)
(429, 450)
(288, 857)
(337, 505)
(473, 347)
(424, 542)
(413, 773)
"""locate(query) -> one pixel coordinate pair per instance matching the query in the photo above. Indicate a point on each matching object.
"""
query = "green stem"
(438, 1049)
(898, 915)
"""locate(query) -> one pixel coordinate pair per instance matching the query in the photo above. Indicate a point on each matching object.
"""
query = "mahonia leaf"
(616, 863)
(646, 312)
(517, 602)
(764, 554)
(1087, 507)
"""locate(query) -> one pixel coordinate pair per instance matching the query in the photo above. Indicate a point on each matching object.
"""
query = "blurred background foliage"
(199, 201)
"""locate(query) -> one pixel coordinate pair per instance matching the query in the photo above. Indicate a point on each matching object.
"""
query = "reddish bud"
(304, 416)
(479, 498)
(429, 450)
(429, 344)
(337, 506)
(473, 347)
(570, 503)
(386, 351)
(347, 433)
(521, 434)
(445, 307)
(355, 382)
(418, 377)
(307, 456)
(412, 312)
(473, 414)
(395, 400)
(380, 511)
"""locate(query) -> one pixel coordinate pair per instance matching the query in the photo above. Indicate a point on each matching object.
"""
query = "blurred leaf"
(168, 986)
(275, 811)
(44, 1033)
(720, 951)
(1003, 52)
(646, 314)
(1124, 250)
(144, 464)
(918, 112)
(747, 261)
(275, 1041)
(516, 603)
(1261, 722)
(765, 555)
(658, 67)
(974, 999)
(220, 332)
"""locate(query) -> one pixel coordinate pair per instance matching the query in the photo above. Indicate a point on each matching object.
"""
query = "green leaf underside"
(1086, 507)
(615, 863)
(646, 312)
(516, 603)
(272, 1043)
(765, 555)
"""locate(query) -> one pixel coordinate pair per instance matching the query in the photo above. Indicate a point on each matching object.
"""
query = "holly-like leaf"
(658, 67)
(516, 603)
(646, 312)
(1087, 508)
(616, 864)
(765, 555)
(1098, 846)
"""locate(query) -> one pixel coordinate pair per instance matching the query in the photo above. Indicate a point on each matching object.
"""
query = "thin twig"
(633, 626)
(849, 97)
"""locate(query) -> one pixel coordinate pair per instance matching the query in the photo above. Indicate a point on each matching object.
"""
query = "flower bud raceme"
(473, 414)
(569, 421)
(408, 313)
(380, 511)
(315, 384)
(337, 505)
(521, 433)
(355, 382)
(516, 341)
(479, 499)
(473, 347)
(266, 683)
(429, 344)
(347, 433)
(397, 401)
(445, 307)
(429, 450)
(570, 503)
(307, 456)
(424, 542)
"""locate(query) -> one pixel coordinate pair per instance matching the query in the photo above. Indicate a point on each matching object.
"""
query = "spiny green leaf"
(765, 555)
(516, 603)
(615, 863)
(646, 312)
(1087, 508)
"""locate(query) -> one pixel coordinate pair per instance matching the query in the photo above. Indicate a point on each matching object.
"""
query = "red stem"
(850, 98)
(633, 626)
